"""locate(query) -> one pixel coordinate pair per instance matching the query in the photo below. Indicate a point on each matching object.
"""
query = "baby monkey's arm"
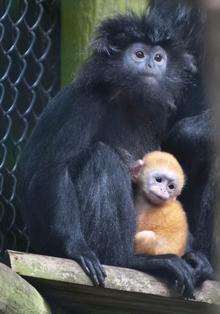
(145, 242)
(148, 242)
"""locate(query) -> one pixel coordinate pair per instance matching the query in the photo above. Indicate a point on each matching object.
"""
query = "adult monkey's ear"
(115, 34)
(135, 169)
(103, 43)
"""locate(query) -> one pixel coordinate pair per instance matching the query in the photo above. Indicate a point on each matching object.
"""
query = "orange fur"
(170, 226)
(167, 223)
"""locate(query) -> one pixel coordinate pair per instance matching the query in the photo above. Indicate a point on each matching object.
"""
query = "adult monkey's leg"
(104, 190)
(54, 221)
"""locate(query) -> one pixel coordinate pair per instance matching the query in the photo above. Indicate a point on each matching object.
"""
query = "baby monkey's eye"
(140, 54)
(158, 179)
(171, 187)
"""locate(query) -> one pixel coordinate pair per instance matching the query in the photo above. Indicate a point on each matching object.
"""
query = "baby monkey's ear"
(136, 168)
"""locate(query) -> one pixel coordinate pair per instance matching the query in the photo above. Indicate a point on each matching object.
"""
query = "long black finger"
(101, 277)
(187, 287)
(101, 268)
(93, 274)
(84, 266)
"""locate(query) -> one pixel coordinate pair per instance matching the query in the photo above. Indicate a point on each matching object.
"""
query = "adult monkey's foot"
(202, 269)
(171, 268)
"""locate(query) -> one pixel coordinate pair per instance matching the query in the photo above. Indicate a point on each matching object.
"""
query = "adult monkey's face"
(149, 63)
(161, 72)
(146, 69)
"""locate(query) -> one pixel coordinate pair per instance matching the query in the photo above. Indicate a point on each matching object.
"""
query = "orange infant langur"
(162, 225)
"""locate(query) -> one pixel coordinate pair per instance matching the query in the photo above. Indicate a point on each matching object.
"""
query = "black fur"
(190, 140)
(75, 189)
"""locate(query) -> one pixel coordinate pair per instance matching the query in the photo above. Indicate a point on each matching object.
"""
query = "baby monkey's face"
(160, 185)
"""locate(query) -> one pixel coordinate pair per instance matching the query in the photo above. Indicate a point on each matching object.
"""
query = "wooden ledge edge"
(53, 269)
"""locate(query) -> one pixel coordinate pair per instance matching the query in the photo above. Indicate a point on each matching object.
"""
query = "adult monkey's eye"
(171, 187)
(158, 179)
(139, 54)
(158, 57)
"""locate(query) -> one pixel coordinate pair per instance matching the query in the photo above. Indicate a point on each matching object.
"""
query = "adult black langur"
(75, 190)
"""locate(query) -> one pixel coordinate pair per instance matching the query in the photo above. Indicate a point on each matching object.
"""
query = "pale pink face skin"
(160, 185)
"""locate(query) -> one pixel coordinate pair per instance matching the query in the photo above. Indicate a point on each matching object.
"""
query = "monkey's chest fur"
(133, 130)
(169, 228)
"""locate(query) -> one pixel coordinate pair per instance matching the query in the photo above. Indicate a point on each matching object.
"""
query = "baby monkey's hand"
(144, 240)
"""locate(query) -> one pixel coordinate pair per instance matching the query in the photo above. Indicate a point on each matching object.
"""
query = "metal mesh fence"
(29, 77)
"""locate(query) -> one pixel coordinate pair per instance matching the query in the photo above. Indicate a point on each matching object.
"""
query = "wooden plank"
(69, 295)
(128, 290)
